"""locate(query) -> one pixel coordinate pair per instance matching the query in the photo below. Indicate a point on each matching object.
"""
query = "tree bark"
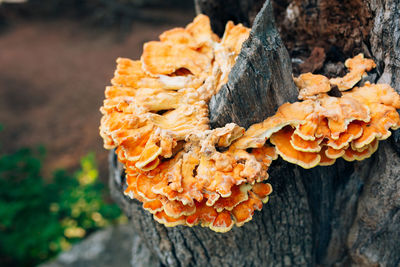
(261, 79)
(345, 214)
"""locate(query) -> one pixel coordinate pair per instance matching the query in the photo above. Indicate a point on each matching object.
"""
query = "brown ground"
(52, 79)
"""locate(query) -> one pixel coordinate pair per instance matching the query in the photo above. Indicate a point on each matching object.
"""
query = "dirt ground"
(52, 80)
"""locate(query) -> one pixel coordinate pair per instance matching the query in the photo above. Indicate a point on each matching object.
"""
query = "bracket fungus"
(156, 117)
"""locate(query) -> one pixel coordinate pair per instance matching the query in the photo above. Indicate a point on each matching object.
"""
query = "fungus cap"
(358, 66)
(156, 116)
(311, 85)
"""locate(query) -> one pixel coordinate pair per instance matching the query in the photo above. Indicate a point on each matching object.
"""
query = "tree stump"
(344, 214)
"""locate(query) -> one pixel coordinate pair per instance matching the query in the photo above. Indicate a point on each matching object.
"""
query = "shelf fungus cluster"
(156, 117)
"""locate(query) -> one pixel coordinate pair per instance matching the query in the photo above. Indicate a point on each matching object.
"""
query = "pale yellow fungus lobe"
(358, 66)
(310, 85)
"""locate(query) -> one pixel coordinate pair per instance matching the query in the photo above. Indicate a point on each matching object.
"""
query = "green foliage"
(40, 219)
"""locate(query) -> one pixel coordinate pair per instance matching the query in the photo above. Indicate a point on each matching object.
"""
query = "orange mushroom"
(223, 223)
(156, 116)
(358, 66)
(325, 160)
(238, 195)
(310, 85)
(340, 112)
(335, 153)
(243, 212)
(168, 221)
(383, 118)
(262, 190)
(165, 58)
(204, 215)
(287, 114)
(284, 148)
(305, 145)
(201, 30)
(153, 206)
(365, 152)
(354, 131)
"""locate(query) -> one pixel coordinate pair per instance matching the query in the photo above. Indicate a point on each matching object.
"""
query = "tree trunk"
(344, 214)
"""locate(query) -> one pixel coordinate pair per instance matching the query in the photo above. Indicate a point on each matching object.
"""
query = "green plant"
(39, 219)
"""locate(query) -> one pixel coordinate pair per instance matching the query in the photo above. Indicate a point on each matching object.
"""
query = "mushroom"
(204, 215)
(335, 153)
(243, 212)
(325, 160)
(156, 116)
(358, 66)
(165, 58)
(222, 223)
(238, 195)
(305, 145)
(130, 74)
(310, 85)
(362, 153)
(354, 131)
(284, 148)
(287, 114)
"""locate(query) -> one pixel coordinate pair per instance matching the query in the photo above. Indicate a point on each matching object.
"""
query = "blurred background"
(56, 57)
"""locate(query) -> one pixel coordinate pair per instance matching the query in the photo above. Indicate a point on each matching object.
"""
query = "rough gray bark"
(261, 79)
(345, 214)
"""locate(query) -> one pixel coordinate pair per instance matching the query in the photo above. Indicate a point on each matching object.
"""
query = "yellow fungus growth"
(358, 66)
(311, 85)
(155, 114)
